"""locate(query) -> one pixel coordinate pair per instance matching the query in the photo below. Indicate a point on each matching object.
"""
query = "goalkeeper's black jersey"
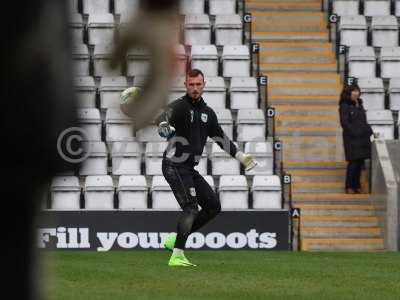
(194, 121)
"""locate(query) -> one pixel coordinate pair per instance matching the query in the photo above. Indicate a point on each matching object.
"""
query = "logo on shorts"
(204, 117)
(192, 191)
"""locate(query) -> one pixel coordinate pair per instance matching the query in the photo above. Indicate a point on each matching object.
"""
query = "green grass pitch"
(222, 275)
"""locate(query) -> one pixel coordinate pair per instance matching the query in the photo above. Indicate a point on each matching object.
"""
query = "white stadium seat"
(96, 161)
(346, 7)
(385, 31)
(263, 154)
(101, 29)
(73, 6)
(65, 193)
(126, 6)
(250, 125)
(132, 192)
(222, 162)
(181, 60)
(390, 62)
(205, 58)
(85, 91)
(126, 158)
(228, 30)
(110, 91)
(76, 26)
(96, 6)
(267, 192)
(138, 62)
(372, 93)
(233, 192)
(353, 30)
(362, 61)
(153, 157)
(161, 194)
(197, 30)
(236, 61)
(101, 60)
(80, 60)
(376, 8)
(222, 7)
(244, 92)
(119, 126)
(382, 122)
(90, 122)
(187, 7)
(225, 120)
(177, 89)
(149, 134)
(215, 92)
(99, 193)
(394, 94)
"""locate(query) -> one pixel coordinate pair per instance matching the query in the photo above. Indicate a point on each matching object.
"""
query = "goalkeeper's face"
(195, 86)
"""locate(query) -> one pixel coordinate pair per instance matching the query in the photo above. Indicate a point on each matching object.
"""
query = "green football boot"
(179, 261)
(170, 242)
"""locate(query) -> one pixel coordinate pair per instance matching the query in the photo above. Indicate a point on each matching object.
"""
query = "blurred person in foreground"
(356, 136)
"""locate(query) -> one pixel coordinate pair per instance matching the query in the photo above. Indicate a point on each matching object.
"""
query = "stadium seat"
(225, 120)
(110, 91)
(85, 91)
(353, 30)
(263, 154)
(267, 192)
(205, 58)
(96, 7)
(385, 31)
(101, 59)
(65, 193)
(132, 192)
(149, 134)
(382, 122)
(72, 6)
(222, 7)
(99, 193)
(202, 166)
(228, 30)
(346, 7)
(153, 157)
(138, 61)
(250, 125)
(126, 158)
(222, 162)
(397, 8)
(236, 61)
(90, 122)
(76, 26)
(372, 93)
(177, 89)
(101, 29)
(181, 60)
(119, 127)
(244, 92)
(96, 162)
(376, 8)
(361, 61)
(215, 92)
(390, 62)
(197, 30)
(80, 60)
(161, 194)
(127, 7)
(233, 192)
(394, 94)
(187, 7)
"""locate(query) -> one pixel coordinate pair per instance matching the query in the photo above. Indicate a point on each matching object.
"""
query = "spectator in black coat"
(356, 136)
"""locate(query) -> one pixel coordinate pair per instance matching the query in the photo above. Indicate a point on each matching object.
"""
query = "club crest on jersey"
(204, 117)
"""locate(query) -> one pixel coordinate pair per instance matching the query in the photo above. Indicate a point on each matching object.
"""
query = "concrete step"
(342, 244)
(307, 121)
(302, 100)
(313, 130)
(340, 232)
(337, 175)
(290, 68)
(323, 198)
(288, 25)
(274, 1)
(274, 57)
(306, 111)
(337, 209)
(305, 46)
(289, 166)
(304, 89)
(302, 77)
(290, 36)
(339, 221)
(283, 6)
(318, 187)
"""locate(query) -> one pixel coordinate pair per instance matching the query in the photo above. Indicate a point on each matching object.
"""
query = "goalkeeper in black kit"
(186, 124)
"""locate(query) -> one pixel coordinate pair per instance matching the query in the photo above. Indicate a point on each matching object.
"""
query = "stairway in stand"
(304, 88)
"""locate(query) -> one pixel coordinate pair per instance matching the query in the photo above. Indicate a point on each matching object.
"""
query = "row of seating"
(215, 7)
(374, 93)
(242, 91)
(370, 7)
(382, 122)
(132, 193)
(234, 61)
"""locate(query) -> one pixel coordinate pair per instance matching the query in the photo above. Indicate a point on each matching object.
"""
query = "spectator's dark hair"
(194, 73)
(345, 96)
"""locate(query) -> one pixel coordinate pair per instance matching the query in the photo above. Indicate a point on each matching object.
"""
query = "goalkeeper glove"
(246, 159)
(165, 130)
